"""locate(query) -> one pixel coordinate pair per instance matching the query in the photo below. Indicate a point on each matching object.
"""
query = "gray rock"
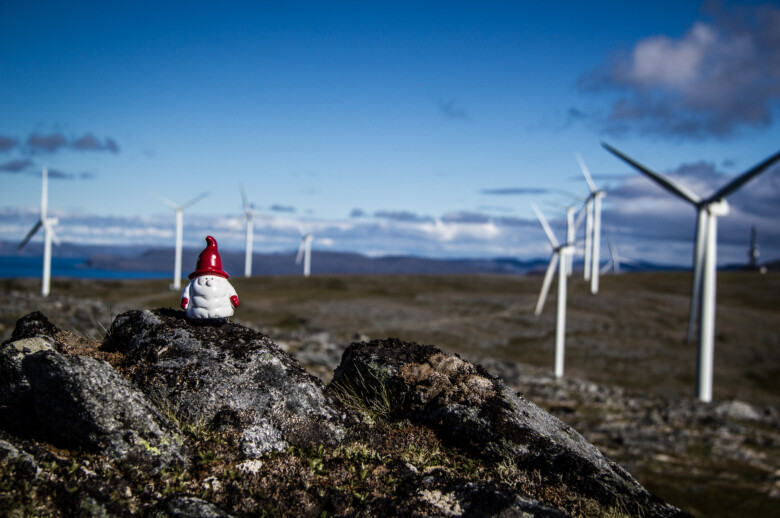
(738, 410)
(34, 325)
(189, 506)
(15, 393)
(84, 402)
(80, 402)
(226, 376)
(471, 409)
(24, 463)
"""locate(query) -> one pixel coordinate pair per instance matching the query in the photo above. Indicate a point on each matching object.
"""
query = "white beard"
(209, 297)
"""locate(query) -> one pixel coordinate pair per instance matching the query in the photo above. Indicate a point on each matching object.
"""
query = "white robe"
(208, 296)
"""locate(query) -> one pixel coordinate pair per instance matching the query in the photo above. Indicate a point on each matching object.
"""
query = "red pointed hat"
(209, 261)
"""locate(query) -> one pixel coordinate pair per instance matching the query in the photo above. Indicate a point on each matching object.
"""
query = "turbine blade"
(664, 182)
(301, 230)
(612, 249)
(195, 200)
(745, 177)
(247, 208)
(44, 193)
(569, 194)
(301, 249)
(167, 202)
(546, 227)
(30, 234)
(586, 173)
(580, 217)
(548, 275)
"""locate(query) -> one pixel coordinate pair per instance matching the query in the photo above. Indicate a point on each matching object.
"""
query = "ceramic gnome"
(209, 294)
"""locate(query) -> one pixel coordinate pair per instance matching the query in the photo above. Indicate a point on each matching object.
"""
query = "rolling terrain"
(629, 375)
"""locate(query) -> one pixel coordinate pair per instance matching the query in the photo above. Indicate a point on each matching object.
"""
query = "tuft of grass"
(198, 429)
(369, 398)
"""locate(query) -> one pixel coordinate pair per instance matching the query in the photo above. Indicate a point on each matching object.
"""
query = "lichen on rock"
(472, 410)
(227, 376)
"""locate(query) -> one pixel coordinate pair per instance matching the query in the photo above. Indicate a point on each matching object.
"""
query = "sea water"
(74, 267)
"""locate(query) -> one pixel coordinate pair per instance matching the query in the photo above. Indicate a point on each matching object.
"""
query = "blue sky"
(425, 128)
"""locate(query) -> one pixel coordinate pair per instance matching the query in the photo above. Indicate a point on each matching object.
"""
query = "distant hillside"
(129, 259)
(322, 263)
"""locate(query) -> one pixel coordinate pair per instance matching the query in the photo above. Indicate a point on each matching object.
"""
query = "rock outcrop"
(79, 402)
(472, 410)
(226, 376)
(172, 417)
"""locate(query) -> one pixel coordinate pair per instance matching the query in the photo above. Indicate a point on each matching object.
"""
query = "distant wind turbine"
(304, 251)
(48, 234)
(615, 259)
(248, 215)
(179, 210)
(559, 258)
(592, 229)
(753, 252)
(704, 258)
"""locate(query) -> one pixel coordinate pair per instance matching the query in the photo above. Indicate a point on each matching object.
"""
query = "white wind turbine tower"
(248, 215)
(704, 258)
(753, 252)
(304, 251)
(48, 234)
(179, 210)
(559, 258)
(592, 228)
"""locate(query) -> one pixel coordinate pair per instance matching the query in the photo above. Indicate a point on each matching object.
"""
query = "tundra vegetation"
(628, 388)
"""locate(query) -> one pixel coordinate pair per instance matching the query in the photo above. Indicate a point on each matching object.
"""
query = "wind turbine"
(48, 234)
(753, 252)
(615, 259)
(304, 251)
(559, 258)
(248, 215)
(592, 228)
(179, 210)
(704, 258)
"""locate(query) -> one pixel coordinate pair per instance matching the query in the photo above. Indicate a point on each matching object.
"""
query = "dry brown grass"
(631, 334)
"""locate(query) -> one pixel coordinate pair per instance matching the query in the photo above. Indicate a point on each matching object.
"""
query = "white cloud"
(661, 61)
(645, 221)
(719, 78)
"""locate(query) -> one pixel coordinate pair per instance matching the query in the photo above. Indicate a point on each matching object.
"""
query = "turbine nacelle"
(718, 208)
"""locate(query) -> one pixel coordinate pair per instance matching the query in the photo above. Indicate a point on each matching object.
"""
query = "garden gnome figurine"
(209, 294)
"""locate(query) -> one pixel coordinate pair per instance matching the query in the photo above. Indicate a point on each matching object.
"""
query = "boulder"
(225, 376)
(79, 402)
(471, 409)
